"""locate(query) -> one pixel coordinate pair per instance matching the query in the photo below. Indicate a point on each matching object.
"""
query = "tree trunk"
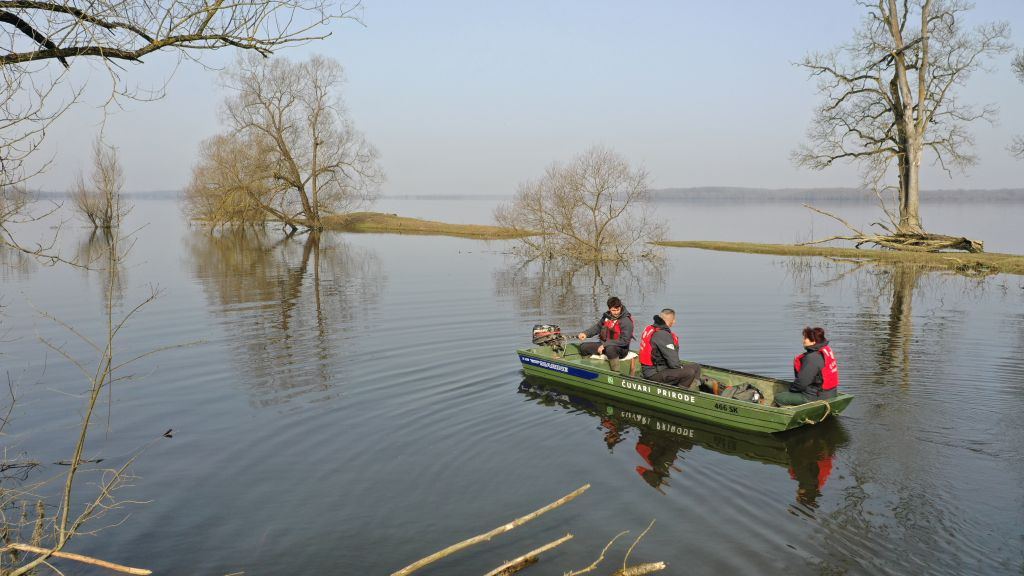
(910, 182)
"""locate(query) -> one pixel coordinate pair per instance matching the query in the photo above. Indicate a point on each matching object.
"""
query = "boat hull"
(595, 376)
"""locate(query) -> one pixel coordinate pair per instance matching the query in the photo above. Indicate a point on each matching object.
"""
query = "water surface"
(352, 403)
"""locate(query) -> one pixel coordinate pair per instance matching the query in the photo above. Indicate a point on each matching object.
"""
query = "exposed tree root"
(895, 240)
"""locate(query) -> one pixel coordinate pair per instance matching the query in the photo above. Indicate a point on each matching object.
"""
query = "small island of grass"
(395, 224)
(970, 263)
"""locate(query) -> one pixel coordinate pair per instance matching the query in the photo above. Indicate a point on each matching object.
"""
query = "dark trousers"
(790, 398)
(686, 376)
(590, 348)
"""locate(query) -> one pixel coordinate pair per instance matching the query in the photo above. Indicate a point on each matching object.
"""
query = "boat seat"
(630, 357)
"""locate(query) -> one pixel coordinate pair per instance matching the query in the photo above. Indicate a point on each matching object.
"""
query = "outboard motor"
(549, 335)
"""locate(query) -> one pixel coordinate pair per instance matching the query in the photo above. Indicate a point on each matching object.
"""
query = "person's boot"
(613, 363)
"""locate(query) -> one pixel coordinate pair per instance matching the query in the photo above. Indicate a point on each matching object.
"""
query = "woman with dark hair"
(817, 375)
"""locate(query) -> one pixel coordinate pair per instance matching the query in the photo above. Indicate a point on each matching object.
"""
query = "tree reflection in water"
(14, 264)
(93, 252)
(289, 304)
(571, 291)
(885, 299)
(806, 453)
(926, 398)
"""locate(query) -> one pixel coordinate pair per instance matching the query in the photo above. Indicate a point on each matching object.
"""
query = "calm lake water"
(352, 405)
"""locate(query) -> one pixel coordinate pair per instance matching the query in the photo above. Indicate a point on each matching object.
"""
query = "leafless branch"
(600, 557)
(491, 534)
(625, 559)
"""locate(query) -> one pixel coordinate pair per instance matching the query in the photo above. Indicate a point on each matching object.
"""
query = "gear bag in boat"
(745, 391)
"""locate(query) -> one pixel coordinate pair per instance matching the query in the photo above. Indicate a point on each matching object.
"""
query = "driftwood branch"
(531, 557)
(834, 217)
(76, 557)
(625, 559)
(599, 558)
(640, 569)
(911, 242)
(488, 535)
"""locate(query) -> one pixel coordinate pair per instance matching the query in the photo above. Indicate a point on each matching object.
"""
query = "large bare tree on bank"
(289, 149)
(593, 208)
(891, 96)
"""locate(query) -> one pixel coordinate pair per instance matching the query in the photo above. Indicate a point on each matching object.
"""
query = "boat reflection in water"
(807, 453)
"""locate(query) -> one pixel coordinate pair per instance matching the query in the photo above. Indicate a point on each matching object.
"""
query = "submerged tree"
(891, 96)
(99, 200)
(594, 208)
(289, 150)
(1017, 148)
(229, 182)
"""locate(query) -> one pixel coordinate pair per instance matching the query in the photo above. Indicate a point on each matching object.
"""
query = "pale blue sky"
(474, 97)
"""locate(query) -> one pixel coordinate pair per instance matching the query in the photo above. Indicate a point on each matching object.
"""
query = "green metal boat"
(565, 365)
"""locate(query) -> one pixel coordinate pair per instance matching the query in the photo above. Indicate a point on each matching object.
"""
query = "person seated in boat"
(816, 372)
(659, 354)
(615, 330)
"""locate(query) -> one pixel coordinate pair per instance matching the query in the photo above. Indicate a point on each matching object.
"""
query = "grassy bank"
(395, 224)
(962, 262)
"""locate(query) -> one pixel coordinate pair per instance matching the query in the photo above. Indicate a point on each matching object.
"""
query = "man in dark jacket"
(659, 354)
(615, 328)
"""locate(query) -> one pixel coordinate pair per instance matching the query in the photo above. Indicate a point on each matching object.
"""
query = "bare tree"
(305, 158)
(1017, 148)
(594, 208)
(890, 96)
(230, 182)
(100, 201)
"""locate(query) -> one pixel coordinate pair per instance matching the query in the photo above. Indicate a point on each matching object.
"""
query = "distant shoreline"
(846, 195)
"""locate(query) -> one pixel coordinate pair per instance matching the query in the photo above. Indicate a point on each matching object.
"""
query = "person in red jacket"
(816, 371)
(659, 354)
(615, 328)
